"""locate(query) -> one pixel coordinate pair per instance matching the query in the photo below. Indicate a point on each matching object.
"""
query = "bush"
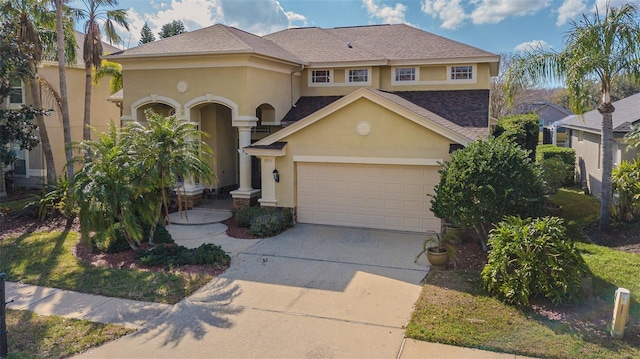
(271, 222)
(521, 129)
(172, 256)
(486, 181)
(557, 164)
(626, 191)
(531, 258)
(119, 243)
(246, 214)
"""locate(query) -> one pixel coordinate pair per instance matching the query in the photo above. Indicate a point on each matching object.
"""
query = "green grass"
(454, 309)
(46, 259)
(33, 336)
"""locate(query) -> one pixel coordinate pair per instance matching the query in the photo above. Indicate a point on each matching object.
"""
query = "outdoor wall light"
(276, 175)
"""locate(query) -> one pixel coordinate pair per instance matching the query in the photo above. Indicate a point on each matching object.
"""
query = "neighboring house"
(584, 136)
(30, 168)
(345, 126)
(548, 112)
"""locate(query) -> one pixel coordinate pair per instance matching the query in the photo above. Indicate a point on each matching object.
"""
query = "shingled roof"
(216, 39)
(626, 115)
(398, 42)
(374, 44)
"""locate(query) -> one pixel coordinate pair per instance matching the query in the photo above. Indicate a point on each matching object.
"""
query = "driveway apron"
(311, 292)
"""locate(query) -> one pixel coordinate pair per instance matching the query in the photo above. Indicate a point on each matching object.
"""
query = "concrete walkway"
(311, 292)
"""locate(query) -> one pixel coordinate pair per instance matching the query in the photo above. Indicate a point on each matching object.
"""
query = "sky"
(498, 26)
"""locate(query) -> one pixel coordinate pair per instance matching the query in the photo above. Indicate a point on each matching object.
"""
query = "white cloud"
(449, 11)
(494, 11)
(532, 45)
(258, 17)
(386, 14)
(569, 10)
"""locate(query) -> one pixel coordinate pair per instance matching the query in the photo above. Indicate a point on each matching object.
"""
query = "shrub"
(530, 258)
(172, 256)
(271, 222)
(119, 242)
(557, 164)
(626, 191)
(246, 214)
(521, 129)
(486, 181)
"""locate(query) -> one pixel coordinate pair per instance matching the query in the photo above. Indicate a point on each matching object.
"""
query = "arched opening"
(216, 120)
(159, 108)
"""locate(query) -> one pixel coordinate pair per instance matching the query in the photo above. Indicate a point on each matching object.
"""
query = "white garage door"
(364, 195)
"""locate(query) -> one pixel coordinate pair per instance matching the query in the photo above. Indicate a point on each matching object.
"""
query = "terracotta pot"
(437, 256)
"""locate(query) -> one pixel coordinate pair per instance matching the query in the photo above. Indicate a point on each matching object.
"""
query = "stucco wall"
(588, 162)
(245, 81)
(391, 136)
(102, 112)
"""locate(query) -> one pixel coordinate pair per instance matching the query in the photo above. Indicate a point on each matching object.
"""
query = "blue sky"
(494, 25)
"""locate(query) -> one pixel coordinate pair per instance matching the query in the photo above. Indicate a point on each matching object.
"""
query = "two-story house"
(345, 126)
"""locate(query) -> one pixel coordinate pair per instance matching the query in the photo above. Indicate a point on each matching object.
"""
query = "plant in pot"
(438, 250)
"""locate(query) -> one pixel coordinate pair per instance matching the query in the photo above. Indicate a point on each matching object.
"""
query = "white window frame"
(394, 74)
(350, 75)
(461, 70)
(312, 77)
(15, 105)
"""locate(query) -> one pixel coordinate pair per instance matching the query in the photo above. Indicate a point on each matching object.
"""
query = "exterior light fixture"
(276, 175)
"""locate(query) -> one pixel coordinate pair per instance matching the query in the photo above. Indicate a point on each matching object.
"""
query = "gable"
(364, 128)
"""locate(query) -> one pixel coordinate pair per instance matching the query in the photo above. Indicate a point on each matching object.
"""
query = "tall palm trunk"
(606, 109)
(66, 123)
(42, 130)
(86, 132)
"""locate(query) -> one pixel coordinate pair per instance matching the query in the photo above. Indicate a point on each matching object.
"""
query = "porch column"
(244, 136)
(245, 195)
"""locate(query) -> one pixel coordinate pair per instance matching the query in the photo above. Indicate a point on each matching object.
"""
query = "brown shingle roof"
(214, 39)
(307, 105)
(377, 42)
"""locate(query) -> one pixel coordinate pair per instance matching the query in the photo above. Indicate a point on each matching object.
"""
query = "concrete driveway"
(311, 292)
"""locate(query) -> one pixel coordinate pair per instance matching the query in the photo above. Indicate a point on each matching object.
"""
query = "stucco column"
(244, 136)
(268, 183)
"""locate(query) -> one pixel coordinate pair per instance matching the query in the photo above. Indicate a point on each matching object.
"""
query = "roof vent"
(349, 45)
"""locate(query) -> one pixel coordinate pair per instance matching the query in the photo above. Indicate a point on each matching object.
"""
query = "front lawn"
(454, 309)
(46, 259)
(35, 336)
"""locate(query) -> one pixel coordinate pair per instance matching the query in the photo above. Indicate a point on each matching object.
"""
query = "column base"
(191, 196)
(268, 202)
(243, 199)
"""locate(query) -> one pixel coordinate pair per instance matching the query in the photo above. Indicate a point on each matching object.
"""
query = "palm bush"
(533, 258)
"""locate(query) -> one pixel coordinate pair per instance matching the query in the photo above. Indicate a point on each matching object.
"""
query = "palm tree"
(106, 189)
(599, 47)
(62, 71)
(170, 151)
(114, 71)
(33, 17)
(92, 51)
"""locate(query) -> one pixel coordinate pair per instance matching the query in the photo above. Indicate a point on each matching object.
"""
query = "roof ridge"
(227, 29)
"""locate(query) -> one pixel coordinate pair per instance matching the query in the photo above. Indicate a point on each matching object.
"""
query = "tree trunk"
(86, 131)
(42, 131)
(606, 109)
(66, 123)
(3, 186)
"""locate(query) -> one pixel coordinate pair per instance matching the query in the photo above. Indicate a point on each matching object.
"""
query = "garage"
(380, 196)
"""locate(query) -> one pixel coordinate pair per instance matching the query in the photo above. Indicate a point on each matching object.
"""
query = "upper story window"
(358, 75)
(320, 76)
(16, 93)
(405, 74)
(462, 72)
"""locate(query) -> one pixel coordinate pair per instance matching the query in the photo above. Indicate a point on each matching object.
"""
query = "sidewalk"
(68, 304)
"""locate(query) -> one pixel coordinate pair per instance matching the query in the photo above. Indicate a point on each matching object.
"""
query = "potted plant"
(456, 234)
(437, 249)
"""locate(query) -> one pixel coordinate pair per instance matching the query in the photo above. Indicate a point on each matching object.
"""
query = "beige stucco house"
(584, 136)
(345, 126)
(30, 168)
